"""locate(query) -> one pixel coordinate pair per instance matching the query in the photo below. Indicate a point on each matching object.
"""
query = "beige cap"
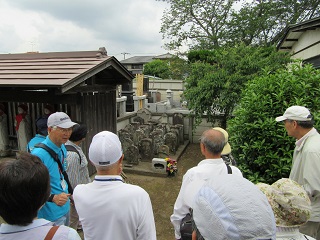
(227, 148)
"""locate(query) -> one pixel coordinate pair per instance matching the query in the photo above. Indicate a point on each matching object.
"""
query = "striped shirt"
(77, 173)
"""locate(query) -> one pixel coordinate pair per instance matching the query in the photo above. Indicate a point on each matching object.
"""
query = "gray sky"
(130, 26)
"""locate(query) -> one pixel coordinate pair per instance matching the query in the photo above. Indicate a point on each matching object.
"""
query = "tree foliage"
(157, 68)
(173, 68)
(214, 85)
(261, 145)
(207, 24)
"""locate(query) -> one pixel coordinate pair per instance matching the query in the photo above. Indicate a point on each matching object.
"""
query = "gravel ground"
(163, 191)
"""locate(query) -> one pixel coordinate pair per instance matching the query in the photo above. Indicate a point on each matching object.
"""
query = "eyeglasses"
(64, 130)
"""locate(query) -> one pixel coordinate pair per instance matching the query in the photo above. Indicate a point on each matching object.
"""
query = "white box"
(159, 165)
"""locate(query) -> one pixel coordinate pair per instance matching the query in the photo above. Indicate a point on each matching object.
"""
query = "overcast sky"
(122, 26)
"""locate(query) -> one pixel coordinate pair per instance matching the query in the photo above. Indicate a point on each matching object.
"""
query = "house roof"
(164, 56)
(137, 60)
(145, 59)
(294, 31)
(62, 70)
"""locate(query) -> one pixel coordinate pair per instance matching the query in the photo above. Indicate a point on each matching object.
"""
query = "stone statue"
(4, 137)
(146, 150)
(47, 110)
(170, 139)
(23, 127)
(132, 155)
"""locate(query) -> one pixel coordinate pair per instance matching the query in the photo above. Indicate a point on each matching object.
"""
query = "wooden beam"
(291, 40)
(93, 88)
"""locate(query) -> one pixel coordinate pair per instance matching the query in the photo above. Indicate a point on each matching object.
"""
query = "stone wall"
(161, 86)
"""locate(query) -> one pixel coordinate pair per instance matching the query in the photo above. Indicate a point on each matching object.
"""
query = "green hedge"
(260, 144)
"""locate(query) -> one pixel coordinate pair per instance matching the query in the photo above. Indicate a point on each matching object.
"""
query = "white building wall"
(307, 39)
(176, 86)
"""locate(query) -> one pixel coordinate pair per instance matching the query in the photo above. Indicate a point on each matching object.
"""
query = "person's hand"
(61, 199)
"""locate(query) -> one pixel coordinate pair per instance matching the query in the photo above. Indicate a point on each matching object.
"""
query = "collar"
(51, 145)
(8, 228)
(300, 142)
(55, 148)
(108, 178)
(210, 161)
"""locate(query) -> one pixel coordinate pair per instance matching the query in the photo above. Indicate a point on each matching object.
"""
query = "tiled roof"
(56, 69)
(137, 59)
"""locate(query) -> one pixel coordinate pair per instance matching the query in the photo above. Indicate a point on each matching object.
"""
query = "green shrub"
(260, 144)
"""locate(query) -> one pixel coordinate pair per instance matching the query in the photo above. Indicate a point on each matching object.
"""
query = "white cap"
(231, 207)
(60, 119)
(298, 113)
(105, 149)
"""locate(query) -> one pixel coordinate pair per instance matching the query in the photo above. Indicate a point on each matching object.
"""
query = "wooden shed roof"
(61, 71)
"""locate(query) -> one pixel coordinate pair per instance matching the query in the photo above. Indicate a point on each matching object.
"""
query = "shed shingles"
(34, 82)
(45, 71)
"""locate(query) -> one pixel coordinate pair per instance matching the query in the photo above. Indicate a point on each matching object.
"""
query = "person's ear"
(121, 158)
(49, 130)
(120, 164)
(202, 148)
(294, 124)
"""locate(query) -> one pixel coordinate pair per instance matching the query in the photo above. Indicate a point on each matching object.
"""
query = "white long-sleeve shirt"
(191, 182)
(306, 169)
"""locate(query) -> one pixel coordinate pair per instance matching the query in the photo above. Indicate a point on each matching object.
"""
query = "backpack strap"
(55, 157)
(71, 148)
(28, 149)
(51, 233)
(229, 169)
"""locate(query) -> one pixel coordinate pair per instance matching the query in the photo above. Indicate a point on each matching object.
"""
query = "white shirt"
(110, 209)
(37, 230)
(191, 182)
(306, 168)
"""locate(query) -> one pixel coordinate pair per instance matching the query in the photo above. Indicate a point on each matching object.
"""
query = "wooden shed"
(83, 84)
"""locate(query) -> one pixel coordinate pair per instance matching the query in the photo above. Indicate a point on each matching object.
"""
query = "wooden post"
(139, 91)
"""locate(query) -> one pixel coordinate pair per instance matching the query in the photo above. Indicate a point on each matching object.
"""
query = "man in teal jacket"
(57, 208)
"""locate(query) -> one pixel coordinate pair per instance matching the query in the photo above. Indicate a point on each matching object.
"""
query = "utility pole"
(124, 55)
